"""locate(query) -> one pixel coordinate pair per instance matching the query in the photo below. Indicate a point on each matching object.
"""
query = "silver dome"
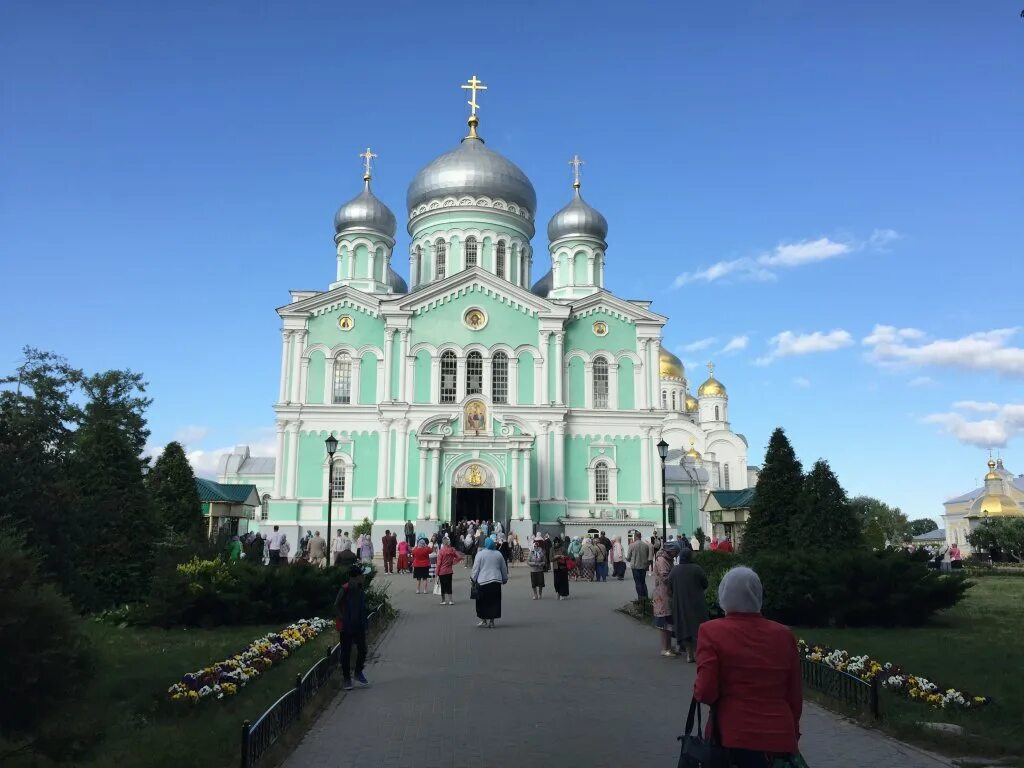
(396, 281)
(543, 286)
(472, 169)
(365, 212)
(577, 218)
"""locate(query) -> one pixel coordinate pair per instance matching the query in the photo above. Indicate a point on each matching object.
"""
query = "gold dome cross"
(367, 159)
(576, 163)
(473, 85)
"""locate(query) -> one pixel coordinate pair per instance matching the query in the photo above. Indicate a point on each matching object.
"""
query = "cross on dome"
(473, 85)
(367, 160)
(576, 163)
(711, 369)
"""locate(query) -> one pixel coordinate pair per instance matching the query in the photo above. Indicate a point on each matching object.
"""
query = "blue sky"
(835, 188)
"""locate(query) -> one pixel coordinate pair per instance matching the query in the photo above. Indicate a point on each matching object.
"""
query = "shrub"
(364, 527)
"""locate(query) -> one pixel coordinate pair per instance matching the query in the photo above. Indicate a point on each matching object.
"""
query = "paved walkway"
(568, 683)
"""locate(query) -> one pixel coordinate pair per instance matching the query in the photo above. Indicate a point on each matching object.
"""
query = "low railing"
(842, 686)
(258, 737)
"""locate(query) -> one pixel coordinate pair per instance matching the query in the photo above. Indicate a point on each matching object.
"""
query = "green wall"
(445, 322)
(315, 377)
(527, 363)
(323, 329)
(368, 379)
(421, 377)
(580, 334)
(576, 395)
(627, 394)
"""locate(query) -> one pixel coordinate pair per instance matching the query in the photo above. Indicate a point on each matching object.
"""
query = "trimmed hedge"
(847, 589)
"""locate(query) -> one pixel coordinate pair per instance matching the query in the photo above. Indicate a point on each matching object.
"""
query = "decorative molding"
(451, 201)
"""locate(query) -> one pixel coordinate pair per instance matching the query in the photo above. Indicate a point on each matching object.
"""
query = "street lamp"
(663, 452)
(332, 445)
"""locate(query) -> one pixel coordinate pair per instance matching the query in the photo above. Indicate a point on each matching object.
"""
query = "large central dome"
(472, 169)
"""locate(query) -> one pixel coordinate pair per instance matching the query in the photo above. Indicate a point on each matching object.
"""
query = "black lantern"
(332, 445)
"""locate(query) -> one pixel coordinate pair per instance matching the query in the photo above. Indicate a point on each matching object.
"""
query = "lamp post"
(332, 445)
(663, 452)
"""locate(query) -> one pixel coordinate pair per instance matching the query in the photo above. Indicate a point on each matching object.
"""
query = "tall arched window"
(471, 252)
(499, 378)
(474, 373)
(725, 471)
(265, 506)
(673, 401)
(716, 413)
(440, 257)
(601, 481)
(600, 382)
(664, 400)
(338, 483)
(449, 373)
(671, 506)
(499, 259)
(342, 379)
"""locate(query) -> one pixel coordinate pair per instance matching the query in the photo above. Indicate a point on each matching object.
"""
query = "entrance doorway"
(472, 504)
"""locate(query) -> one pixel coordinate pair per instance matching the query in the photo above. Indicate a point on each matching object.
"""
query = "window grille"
(499, 260)
(440, 257)
(600, 382)
(725, 470)
(449, 373)
(499, 378)
(671, 511)
(474, 373)
(673, 401)
(343, 379)
(338, 484)
(470, 252)
(664, 400)
(601, 482)
(265, 507)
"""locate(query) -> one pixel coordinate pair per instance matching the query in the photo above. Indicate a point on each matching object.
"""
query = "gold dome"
(992, 471)
(693, 453)
(996, 505)
(691, 403)
(712, 387)
(670, 365)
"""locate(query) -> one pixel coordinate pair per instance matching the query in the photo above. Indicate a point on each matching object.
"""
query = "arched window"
(664, 400)
(499, 378)
(673, 401)
(470, 252)
(338, 483)
(725, 470)
(474, 373)
(449, 373)
(601, 481)
(342, 379)
(440, 257)
(716, 413)
(265, 506)
(671, 506)
(499, 260)
(600, 382)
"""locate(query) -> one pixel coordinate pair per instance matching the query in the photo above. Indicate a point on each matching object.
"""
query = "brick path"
(568, 683)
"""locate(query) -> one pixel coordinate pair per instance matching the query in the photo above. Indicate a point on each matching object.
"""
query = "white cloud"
(801, 382)
(921, 381)
(696, 346)
(744, 269)
(805, 252)
(983, 351)
(974, 405)
(996, 431)
(881, 238)
(191, 434)
(789, 344)
(736, 343)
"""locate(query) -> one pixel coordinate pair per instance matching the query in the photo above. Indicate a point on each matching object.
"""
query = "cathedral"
(473, 391)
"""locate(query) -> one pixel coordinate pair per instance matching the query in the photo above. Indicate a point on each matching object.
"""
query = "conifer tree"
(825, 519)
(775, 501)
(172, 490)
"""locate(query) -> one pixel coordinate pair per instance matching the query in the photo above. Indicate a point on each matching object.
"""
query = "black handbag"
(697, 751)
(474, 590)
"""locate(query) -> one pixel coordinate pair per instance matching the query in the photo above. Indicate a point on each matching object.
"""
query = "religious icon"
(474, 475)
(345, 322)
(600, 328)
(476, 416)
(475, 319)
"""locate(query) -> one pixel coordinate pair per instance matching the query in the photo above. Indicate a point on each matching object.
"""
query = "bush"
(364, 527)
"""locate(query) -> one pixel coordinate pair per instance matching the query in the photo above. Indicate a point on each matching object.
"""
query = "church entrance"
(472, 504)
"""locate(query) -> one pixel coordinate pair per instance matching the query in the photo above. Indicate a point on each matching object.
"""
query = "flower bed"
(224, 678)
(892, 677)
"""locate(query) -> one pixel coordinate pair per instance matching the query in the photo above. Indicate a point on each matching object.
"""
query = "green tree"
(922, 525)
(776, 501)
(1004, 534)
(891, 520)
(825, 521)
(874, 536)
(171, 484)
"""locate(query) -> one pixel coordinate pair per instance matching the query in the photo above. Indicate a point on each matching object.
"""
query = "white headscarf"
(740, 591)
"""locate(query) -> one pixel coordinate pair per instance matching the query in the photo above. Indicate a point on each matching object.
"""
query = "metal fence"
(258, 737)
(848, 689)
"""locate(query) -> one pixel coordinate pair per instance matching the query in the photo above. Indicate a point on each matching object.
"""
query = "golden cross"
(711, 370)
(473, 85)
(367, 159)
(576, 163)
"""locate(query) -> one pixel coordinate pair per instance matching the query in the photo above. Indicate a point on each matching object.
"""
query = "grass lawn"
(126, 706)
(977, 646)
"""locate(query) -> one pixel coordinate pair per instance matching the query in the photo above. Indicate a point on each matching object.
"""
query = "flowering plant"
(224, 678)
(892, 677)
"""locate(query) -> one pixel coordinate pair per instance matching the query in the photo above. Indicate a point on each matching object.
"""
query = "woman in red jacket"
(421, 566)
(748, 670)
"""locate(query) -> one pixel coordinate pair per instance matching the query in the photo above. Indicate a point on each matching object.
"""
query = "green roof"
(734, 499)
(231, 494)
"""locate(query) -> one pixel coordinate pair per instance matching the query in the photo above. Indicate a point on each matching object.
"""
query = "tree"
(891, 520)
(874, 536)
(776, 501)
(825, 521)
(1003, 534)
(171, 484)
(922, 525)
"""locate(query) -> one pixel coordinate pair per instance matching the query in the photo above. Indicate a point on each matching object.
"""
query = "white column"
(654, 372)
(328, 381)
(413, 269)
(421, 502)
(401, 451)
(590, 269)
(613, 386)
(644, 390)
(435, 379)
(560, 460)
(517, 506)
(525, 510)
(544, 378)
(435, 482)
(513, 381)
(293, 458)
(486, 381)
(357, 377)
(298, 348)
(389, 336)
(339, 278)
(279, 461)
(645, 466)
(560, 367)
(286, 338)
(373, 263)
(380, 380)
(543, 464)
(588, 385)
(303, 377)
(538, 376)
(351, 263)
(403, 363)
(384, 461)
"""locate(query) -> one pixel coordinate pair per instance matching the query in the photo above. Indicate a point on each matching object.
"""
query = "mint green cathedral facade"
(473, 391)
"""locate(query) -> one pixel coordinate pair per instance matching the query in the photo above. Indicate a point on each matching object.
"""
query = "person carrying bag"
(697, 751)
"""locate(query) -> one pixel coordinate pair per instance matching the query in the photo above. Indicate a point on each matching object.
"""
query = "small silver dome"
(396, 281)
(365, 212)
(543, 286)
(472, 169)
(577, 218)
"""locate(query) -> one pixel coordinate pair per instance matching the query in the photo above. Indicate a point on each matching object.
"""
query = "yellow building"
(1001, 496)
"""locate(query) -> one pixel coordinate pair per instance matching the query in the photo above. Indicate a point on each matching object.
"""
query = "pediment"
(603, 301)
(343, 296)
(470, 280)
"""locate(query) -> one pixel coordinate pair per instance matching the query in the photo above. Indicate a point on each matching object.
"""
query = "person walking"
(573, 552)
(600, 561)
(274, 545)
(234, 548)
(388, 549)
(662, 605)
(350, 613)
(446, 560)
(686, 586)
(317, 550)
(748, 668)
(617, 558)
(538, 563)
(336, 547)
(639, 559)
(559, 570)
(489, 573)
(588, 559)
(366, 548)
(284, 551)
(410, 534)
(346, 558)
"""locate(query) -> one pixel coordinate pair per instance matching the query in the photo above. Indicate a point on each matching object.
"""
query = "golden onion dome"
(670, 365)
(712, 387)
(691, 403)
(693, 453)
(991, 471)
(996, 505)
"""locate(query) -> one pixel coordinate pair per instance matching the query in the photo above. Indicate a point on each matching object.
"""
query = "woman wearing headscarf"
(446, 560)
(686, 585)
(403, 556)
(559, 572)
(588, 559)
(421, 565)
(366, 548)
(662, 601)
(748, 671)
(617, 557)
(537, 561)
(489, 572)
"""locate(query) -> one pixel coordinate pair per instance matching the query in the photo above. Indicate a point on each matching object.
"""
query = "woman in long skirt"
(559, 572)
(489, 572)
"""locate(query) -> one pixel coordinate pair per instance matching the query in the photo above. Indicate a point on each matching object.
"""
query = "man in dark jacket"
(346, 558)
(350, 613)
